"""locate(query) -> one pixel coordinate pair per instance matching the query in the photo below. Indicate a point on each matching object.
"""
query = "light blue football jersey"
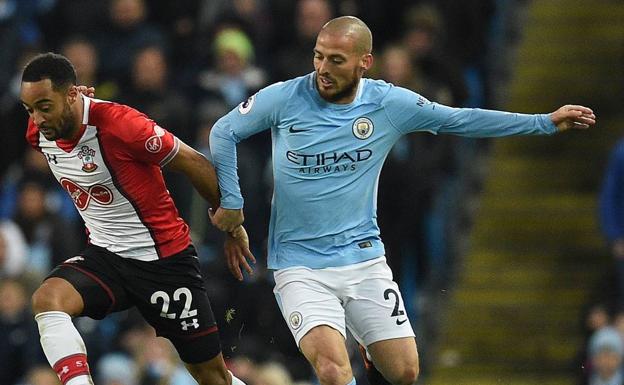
(327, 159)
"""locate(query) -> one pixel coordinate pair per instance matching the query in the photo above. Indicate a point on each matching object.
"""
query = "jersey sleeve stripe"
(172, 153)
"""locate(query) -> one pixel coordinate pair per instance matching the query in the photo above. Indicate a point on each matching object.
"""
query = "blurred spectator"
(251, 16)
(427, 159)
(396, 67)
(129, 30)
(159, 364)
(116, 369)
(46, 233)
(273, 374)
(612, 214)
(84, 17)
(232, 81)
(596, 317)
(180, 22)
(35, 168)
(13, 117)
(41, 375)
(13, 250)
(606, 351)
(466, 25)
(19, 347)
(149, 92)
(436, 77)
(618, 322)
(10, 41)
(84, 56)
(295, 57)
(18, 29)
(234, 77)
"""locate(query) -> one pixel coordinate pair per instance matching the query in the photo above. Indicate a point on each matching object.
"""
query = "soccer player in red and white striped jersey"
(108, 157)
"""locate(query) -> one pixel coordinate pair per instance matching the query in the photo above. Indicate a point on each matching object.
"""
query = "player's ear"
(367, 62)
(72, 94)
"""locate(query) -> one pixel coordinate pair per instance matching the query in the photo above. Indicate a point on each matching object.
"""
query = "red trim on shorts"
(104, 286)
(210, 330)
(71, 366)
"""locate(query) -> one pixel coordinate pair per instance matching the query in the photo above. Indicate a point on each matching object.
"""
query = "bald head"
(353, 28)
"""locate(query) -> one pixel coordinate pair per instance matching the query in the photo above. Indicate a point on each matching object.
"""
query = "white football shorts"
(363, 297)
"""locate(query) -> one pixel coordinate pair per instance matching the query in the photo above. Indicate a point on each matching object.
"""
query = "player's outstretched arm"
(199, 170)
(237, 252)
(573, 116)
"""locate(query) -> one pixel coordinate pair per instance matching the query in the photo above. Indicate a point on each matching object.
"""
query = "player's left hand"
(237, 253)
(573, 116)
(86, 91)
(226, 219)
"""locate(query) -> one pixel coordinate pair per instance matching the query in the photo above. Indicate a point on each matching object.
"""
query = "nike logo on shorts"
(400, 322)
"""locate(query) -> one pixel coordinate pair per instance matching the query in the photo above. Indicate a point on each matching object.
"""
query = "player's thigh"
(92, 278)
(57, 294)
(172, 297)
(375, 310)
(395, 358)
(306, 302)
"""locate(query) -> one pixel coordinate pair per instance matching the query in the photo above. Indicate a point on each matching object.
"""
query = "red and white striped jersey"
(113, 174)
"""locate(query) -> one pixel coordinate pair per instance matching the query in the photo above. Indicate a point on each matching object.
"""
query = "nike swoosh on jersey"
(400, 322)
(293, 130)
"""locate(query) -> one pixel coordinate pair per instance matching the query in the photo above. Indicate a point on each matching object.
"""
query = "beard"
(348, 90)
(65, 127)
(67, 124)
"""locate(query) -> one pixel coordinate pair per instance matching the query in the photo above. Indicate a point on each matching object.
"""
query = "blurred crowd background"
(185, 63)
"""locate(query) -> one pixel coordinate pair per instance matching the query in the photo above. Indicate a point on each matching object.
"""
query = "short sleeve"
(140, 137)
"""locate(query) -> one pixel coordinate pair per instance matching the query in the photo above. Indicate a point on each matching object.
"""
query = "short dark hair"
(51, 66)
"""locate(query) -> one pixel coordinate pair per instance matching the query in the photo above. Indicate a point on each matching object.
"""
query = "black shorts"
(170, 294)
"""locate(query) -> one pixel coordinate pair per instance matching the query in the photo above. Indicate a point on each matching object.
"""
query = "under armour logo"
(185, 325)
(51, 158)
(65, 370)
(82, 196)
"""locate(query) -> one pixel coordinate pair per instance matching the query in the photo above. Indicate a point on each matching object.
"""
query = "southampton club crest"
(87, 155)
(363, 128)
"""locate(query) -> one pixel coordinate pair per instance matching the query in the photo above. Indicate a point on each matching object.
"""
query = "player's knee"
(47, 298)
(406, 376)
(330, 372)
(43, 300)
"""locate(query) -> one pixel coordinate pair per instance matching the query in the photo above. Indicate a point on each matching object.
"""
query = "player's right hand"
(237, 253)
(226, 219)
